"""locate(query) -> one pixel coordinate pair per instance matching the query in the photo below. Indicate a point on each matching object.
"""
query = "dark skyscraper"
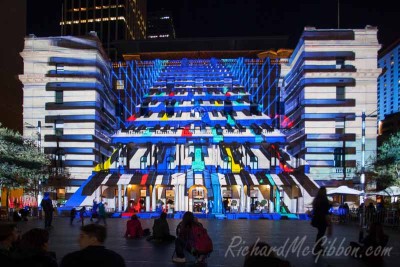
(160, 25)
(113, 20)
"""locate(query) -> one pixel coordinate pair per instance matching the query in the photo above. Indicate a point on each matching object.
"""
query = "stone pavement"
(230, 238)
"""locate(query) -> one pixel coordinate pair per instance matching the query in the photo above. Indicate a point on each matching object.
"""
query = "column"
(147, 199)
(242, 199)
(182, 197)
(153, 199)
(125, 197)
(119, 198)
(176, 202)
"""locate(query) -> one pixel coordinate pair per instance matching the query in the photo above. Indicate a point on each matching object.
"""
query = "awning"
(94, 183)
(111, 180)
(124, 179)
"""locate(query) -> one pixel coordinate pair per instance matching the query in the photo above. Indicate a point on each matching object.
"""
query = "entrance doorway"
(198, 197)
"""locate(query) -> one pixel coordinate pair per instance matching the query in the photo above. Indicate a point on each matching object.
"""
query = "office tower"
(112, 20)
(389, 81)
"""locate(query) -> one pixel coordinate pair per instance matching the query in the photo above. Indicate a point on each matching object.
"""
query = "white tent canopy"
(390, 191)
(344, 190)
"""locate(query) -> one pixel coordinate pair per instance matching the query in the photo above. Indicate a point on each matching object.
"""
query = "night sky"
(223, 18)
(192, 18)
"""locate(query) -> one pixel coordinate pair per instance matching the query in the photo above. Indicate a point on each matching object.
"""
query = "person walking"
(47, 206)
(321, 218)
(82, 213)
(72, 215)
(94, 210)
(93, 252)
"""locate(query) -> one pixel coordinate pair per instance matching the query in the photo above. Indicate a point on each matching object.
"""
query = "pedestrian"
(33, 250)
(94, 210)
(8, 237)
(225, 205)
(72, 216)
(321, 218)
(161, 230)
(134, 228)
(93, 252)
(82, 213)
(47, 206)
(102, 213)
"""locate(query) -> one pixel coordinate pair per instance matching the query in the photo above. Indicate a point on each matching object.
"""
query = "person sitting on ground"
(189, 234)
(161, 230)
(134, 228)
(8, 236)
(93, 252)
(375, 241)
(33, 250)
(261, 254)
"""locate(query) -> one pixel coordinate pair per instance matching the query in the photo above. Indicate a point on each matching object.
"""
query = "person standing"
(321, 218)
(93, 252)
(47, 206)
(102, 213)
(72, 215)
(94, 210)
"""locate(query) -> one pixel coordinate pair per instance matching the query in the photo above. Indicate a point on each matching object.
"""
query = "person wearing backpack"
(192, 237)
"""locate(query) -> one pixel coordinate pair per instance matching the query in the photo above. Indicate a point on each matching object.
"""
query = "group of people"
(31, 249)
(98, 212)
(321, 219)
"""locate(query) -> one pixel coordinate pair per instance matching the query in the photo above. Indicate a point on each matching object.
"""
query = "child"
(72, 216)
(82, 213)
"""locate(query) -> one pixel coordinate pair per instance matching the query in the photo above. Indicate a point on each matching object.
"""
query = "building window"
(340, 92)
(119, 84)
(338, 157)
(59, 128)
(59, 69)
(59, 97)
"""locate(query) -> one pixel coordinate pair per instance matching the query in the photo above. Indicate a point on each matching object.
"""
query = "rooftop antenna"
(338, 14)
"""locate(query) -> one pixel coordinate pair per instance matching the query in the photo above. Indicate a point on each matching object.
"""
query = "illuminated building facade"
(112, 20)
(160, 25)
(67, 97)
(197, 127)
(329, 81)
(389, 81)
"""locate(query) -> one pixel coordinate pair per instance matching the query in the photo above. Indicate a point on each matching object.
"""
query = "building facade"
(113, 20)
(195, 131)
(329, 82)
(389, 81)
(68, 103)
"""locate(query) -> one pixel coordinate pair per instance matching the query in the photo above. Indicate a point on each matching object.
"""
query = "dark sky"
(222, 18)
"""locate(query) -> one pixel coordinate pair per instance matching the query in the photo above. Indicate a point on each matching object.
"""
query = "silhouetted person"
(321, 219)
(72, 216)
(47, 206)
(375, 241)
(161, 229)
(8, 236)
(33, 250)
(102, 213)
(93, 252)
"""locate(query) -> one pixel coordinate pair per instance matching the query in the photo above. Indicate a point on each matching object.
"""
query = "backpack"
(201, 241)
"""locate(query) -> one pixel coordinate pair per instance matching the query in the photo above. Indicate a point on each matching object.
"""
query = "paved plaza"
(230, 238)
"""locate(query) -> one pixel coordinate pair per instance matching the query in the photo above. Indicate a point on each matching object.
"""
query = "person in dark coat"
(93, 252)
(8, 236)
(47, 206)
(33, 250)
(321, 218)
(161, 229)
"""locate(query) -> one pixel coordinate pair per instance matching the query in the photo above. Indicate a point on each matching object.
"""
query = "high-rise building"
(160, 25)
(112, 20)
(389, 81)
